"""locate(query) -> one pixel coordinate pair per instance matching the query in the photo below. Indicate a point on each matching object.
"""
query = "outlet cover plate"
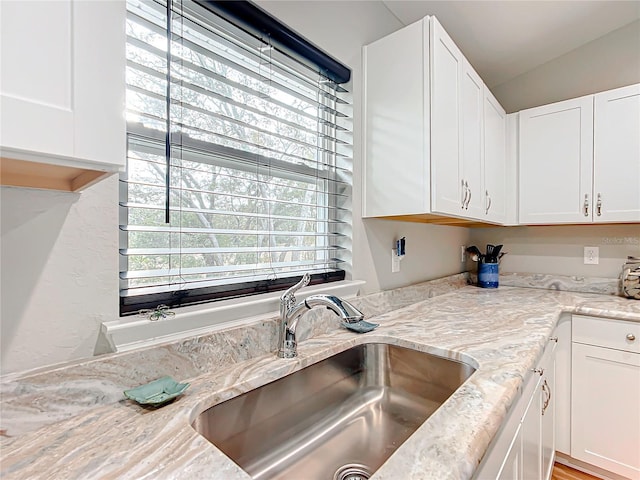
(591, 255)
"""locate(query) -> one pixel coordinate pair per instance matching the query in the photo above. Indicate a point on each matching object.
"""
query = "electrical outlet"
(591, 255)
(395, 261)
(463, 253)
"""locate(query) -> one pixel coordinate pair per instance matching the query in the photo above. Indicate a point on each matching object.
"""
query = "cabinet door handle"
(631, 337)
(539, 371)
(553, 339)
(486, 193)
(464, 194)
(468, 199)
(599, 205)
(547, 392)
(586, 204)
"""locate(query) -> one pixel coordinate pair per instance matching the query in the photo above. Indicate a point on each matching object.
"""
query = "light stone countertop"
(501, 332)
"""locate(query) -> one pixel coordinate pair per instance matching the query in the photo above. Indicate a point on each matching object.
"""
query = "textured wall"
(59, 256)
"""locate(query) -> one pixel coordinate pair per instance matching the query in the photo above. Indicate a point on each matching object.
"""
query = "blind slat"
(196, 31)
(148, 141)
(240, 68)
(258, 153)
(222, 231)
(238, 278)
(206, 211)
(191, 251)
(174, 272)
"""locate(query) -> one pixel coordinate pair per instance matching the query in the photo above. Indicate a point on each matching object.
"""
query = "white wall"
(59, 251)
(610, 61)
(560, 249)
(59, 275)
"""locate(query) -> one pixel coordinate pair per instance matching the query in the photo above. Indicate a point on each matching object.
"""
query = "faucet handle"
(288, 299)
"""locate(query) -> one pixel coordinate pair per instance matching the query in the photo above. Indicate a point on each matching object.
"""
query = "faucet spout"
(290, 313)
(342, 308)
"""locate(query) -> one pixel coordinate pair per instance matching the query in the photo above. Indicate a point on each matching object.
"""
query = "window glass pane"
(260, 166)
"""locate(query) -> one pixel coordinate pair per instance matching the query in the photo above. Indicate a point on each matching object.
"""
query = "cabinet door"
(531, 437)
(561, 393)
(512, 466)
(495, 160)
(472, 90)
(547, 394)
(99, 81)
(556, 163)
(605, 418)
(62, 82)
(616, 162)
(36, 78)
(446, 139)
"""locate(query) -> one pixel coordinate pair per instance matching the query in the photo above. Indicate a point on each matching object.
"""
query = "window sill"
(132, 332)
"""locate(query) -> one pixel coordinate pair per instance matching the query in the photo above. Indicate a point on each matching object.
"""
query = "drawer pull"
(631, 337)
(546, 389)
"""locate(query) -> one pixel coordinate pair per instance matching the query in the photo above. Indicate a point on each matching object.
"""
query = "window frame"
(131, 304)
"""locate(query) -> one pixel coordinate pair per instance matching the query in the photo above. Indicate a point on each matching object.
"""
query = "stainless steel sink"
(340, 418)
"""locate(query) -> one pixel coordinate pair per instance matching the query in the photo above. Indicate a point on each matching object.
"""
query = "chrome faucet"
(290, 313)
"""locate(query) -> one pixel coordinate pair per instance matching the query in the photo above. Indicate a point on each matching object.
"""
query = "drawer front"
(604, 332)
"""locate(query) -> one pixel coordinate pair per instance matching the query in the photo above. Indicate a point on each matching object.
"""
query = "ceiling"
(506, 38)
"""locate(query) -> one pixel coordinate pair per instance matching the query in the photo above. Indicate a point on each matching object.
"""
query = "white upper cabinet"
(472, 157)
(495, 191)
(61, 87)
(616, 160)
(580, 160)
(556, 162)
(396, 167)
(447, 189)
(424, 131)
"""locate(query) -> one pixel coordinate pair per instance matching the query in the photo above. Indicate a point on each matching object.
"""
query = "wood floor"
(562, 472)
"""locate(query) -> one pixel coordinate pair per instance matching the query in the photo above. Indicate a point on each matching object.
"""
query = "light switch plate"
(591, 255)
(395, 261)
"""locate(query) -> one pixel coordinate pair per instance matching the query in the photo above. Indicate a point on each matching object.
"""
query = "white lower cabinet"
(582, 400)
(524, 449)
(605, 401)
(511, 468)
(538, 436)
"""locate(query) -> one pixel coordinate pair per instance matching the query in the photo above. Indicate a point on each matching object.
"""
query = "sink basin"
(340, 418)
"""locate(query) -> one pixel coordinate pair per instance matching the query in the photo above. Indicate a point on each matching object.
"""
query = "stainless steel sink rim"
(353, 408)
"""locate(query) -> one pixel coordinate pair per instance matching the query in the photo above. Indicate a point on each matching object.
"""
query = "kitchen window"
(238, 174)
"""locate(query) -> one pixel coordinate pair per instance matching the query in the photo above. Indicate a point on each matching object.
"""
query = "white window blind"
(255, 149)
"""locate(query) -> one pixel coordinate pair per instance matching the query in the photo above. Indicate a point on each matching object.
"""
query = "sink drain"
(352, 471)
